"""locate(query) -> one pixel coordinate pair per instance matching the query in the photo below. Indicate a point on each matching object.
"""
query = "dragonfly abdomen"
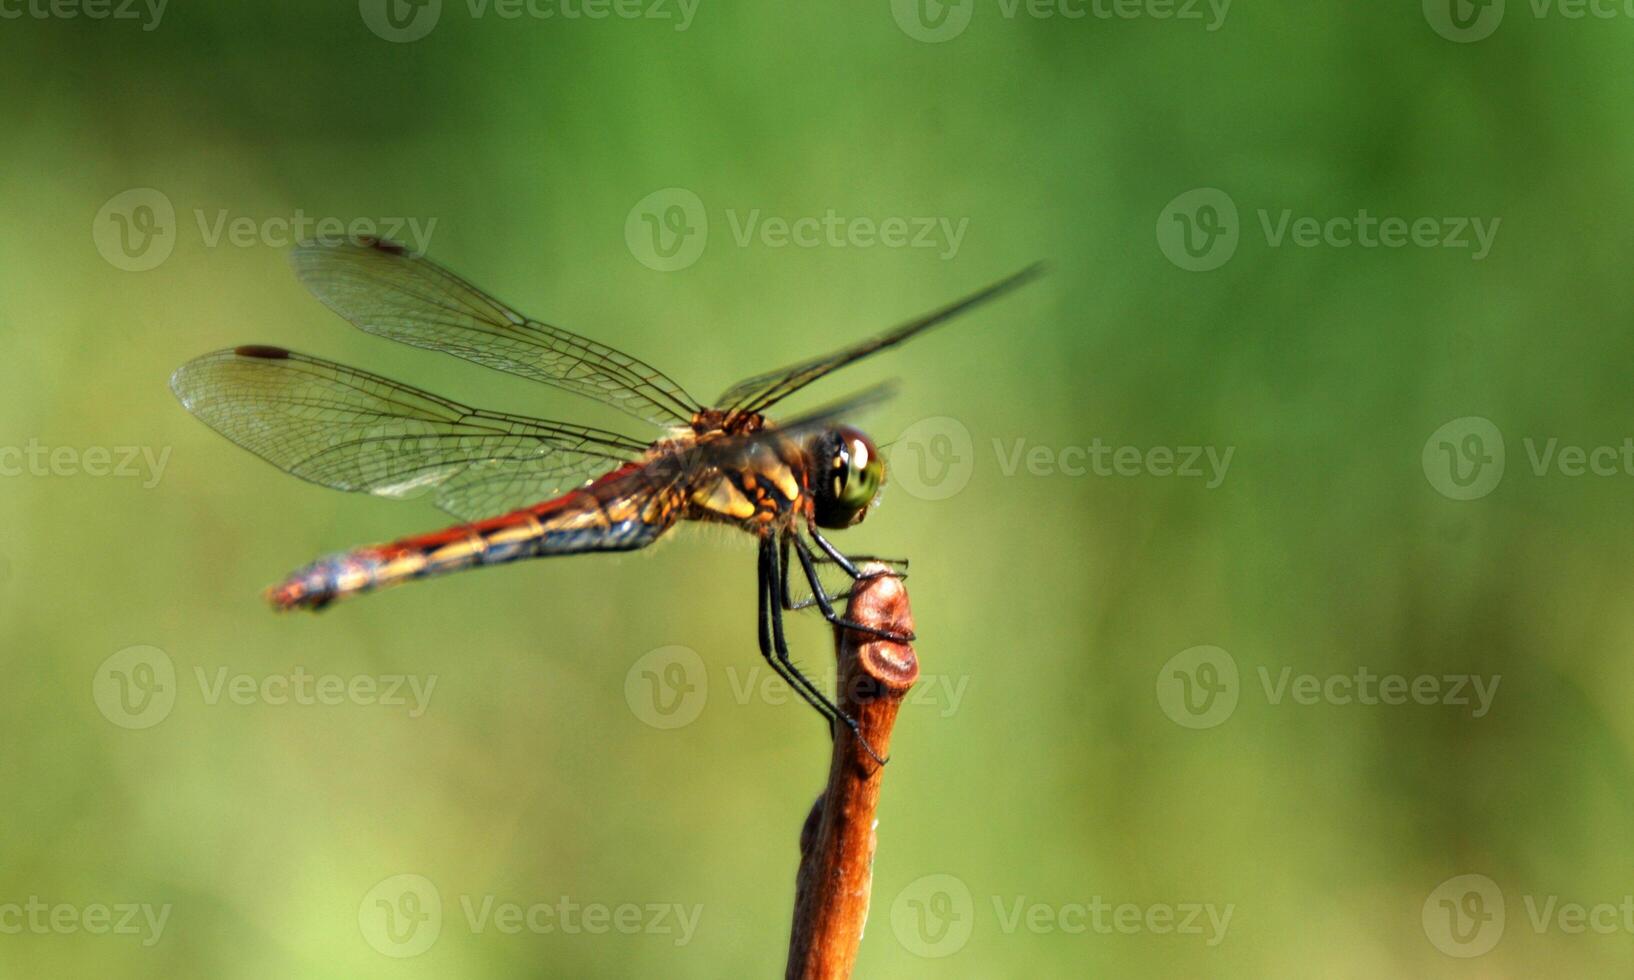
(577, 523)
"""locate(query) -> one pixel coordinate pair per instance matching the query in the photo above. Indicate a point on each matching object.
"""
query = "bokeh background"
(1110, 753)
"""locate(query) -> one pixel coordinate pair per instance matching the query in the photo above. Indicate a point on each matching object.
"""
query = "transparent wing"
(760, 392)
(384, 290)
(351, 430)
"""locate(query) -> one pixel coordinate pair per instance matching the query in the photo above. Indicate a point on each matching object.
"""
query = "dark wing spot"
(382, 245)
(262, 351)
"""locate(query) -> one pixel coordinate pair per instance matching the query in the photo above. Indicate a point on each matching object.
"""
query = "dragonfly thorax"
(731, 423)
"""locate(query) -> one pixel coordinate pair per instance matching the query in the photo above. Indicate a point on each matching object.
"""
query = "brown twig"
(837, 841)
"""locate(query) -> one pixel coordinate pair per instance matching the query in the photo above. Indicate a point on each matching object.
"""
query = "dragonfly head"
(847, 472)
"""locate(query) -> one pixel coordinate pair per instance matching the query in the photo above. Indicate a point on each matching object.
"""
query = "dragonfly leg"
(790, 604)
(824, 602)
(860, 559)
(773, 645)
(848, 564)
(775, 648)
(783, 574)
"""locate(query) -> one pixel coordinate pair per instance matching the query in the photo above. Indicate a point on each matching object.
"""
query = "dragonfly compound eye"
(849, 475)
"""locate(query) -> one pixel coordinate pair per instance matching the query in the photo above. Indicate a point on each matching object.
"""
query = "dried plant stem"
(837, 841)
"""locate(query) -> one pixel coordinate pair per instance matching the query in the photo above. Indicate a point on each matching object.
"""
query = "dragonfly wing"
(732, 452)
(351, 430)
(760, 392)
(385, 290)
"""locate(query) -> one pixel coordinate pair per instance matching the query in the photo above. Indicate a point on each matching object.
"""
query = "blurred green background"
(1066, 794)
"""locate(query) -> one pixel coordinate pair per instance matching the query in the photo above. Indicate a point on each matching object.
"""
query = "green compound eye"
(861, 475)
(852, 473)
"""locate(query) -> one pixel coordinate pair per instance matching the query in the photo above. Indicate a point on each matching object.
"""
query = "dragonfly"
(499, 474)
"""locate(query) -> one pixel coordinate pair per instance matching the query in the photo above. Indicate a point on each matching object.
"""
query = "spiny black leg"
(859, 559)
(763, 612)
(821, 597)
(789, 603)
(832, 552)
(783, 571)
(774, 647)
(848, 564)
(789, 672)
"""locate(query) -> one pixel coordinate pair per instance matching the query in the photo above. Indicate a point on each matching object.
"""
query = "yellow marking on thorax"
(723, 497)
(779, 474)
